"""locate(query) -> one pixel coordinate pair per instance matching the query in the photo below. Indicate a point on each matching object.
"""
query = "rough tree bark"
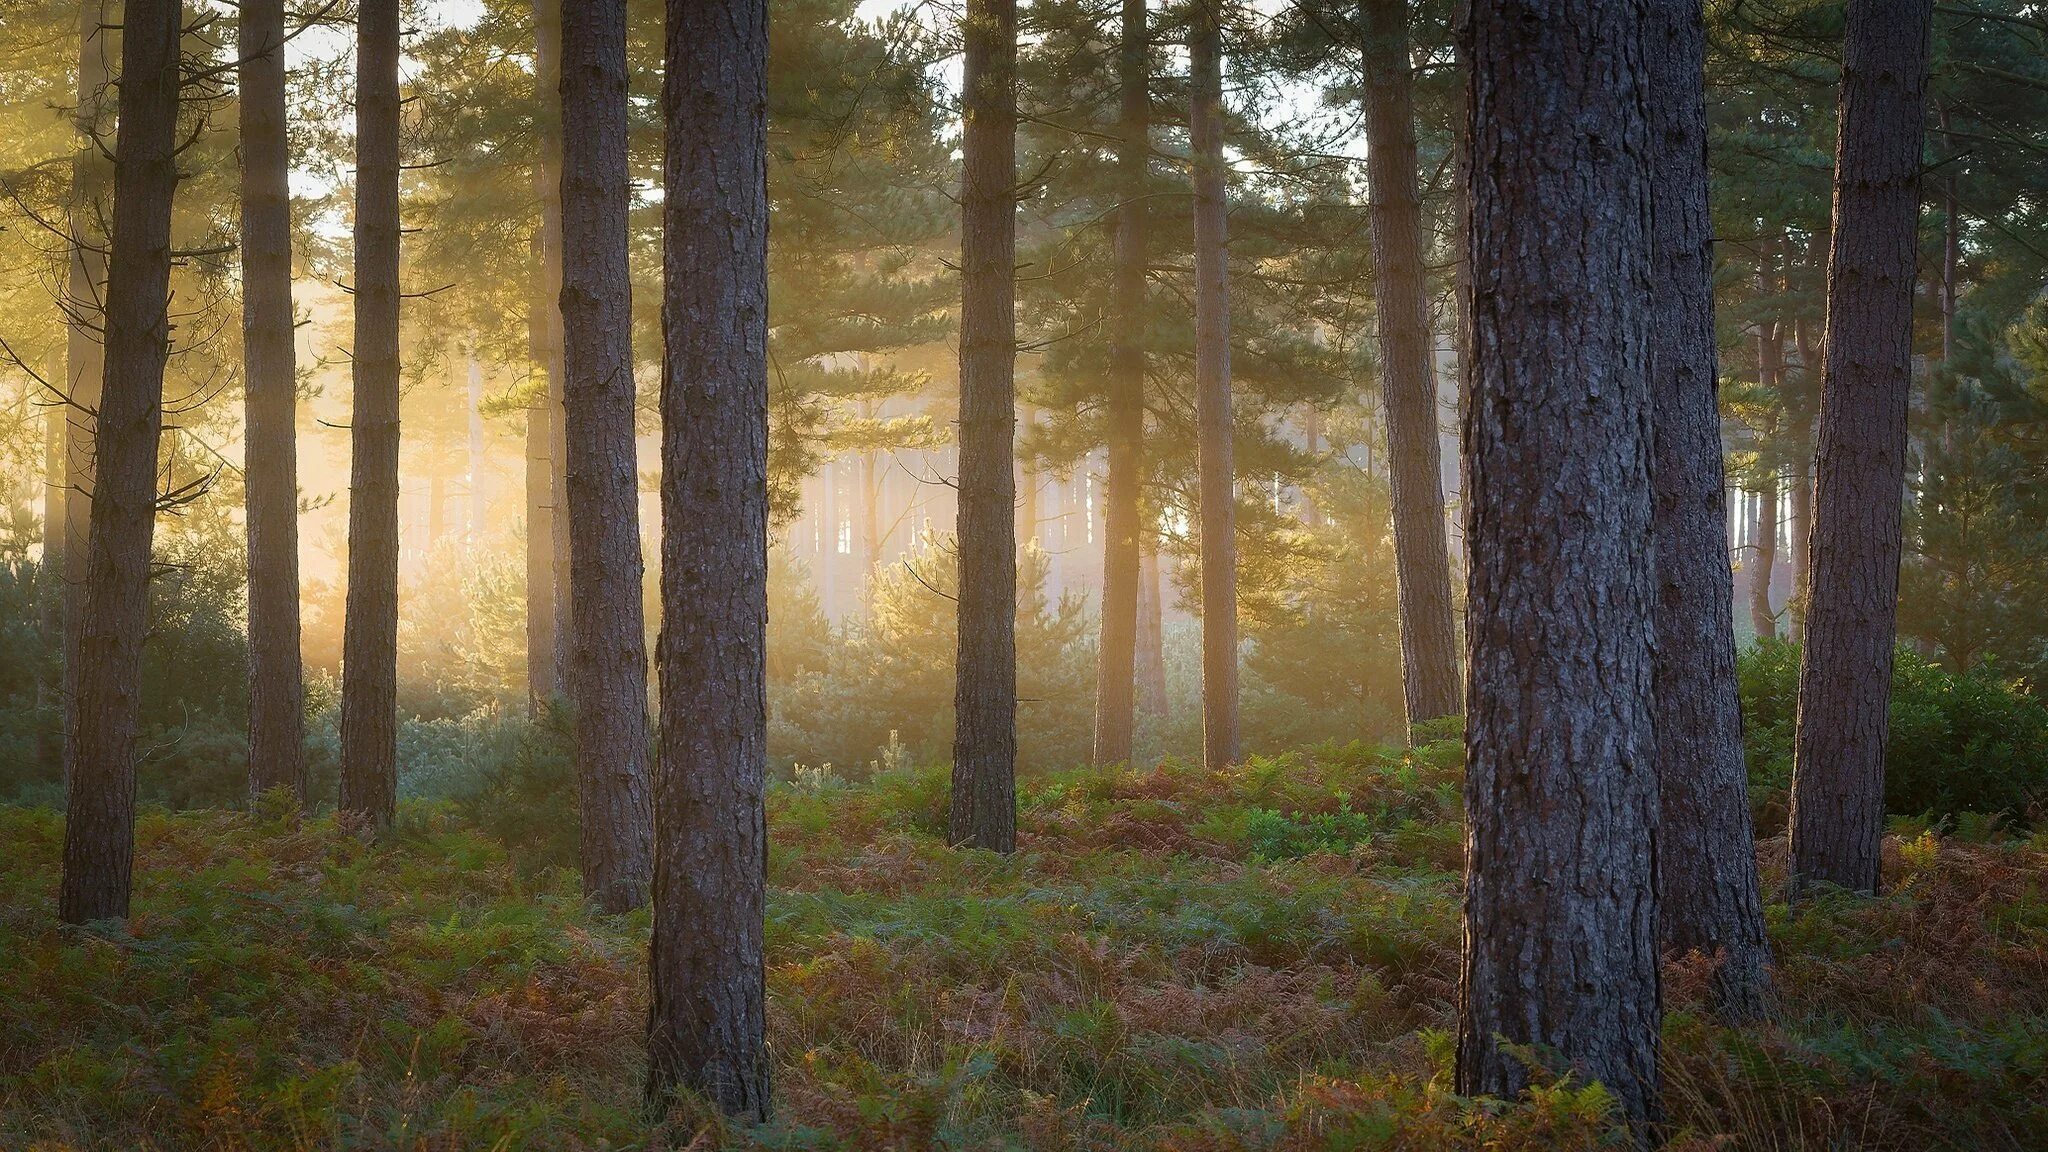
(1561, 781)
(270, 466)
(1429, 662)
(610, 666)
(984, 803)
(1706, 852)
(369, 652)
(1116, 655)
(1845, 668)
(99, 814)
(1216, 482)
(707, 1021)
(549, 646)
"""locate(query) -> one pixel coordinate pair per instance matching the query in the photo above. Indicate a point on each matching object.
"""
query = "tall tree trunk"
(277, 707)
(1707, 879)
(99, 814)
(984, 804)
(610, 666)
(1116, 655)
(1845, 668)
(1770, 375)
(1151, 643)
(1802, 522)
(549, 644)
(1764, 559)
(85, 354)
(1561, 777)
(476, 452)
(543, 672)
(369, 654)
(1429, 662)
(707, 1023)
(1216, 483)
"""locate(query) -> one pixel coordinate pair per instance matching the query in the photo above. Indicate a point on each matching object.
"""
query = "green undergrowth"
(1264, 958)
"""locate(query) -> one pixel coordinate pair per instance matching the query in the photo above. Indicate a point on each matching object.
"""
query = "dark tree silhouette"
(1845, 668)
(984, 803)
(99, 814)
(1216, 484)
(610, 666)
(1706, 851)
(707, 1022)
(1561, 783)
(369, 645)
(270, 466)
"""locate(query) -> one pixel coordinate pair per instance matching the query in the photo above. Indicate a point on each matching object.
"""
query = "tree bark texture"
(1429, 662)
(99, 815)
(984, 802)
(1845, 669)
(369, 655)
(1216, 482)
(270, 466)
(1561, 782)
(1706, 852)
(1763, 619)
(1115, 672)
(610, 666)
(549, 645)
(707, 1021)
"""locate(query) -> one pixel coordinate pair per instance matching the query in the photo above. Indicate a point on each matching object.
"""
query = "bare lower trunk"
(1115, 702)
(548, 641)
(984, 802)
(1802, 523)
(477, 503)
(1217, 486)
(610, 666)
(99, 814)
(1845, 671)
(369, 658)
(1707, 877)
(1561, 778)
(1429, 663)
(707, 1022)
(277, 720)
(1764, 560)
(1151, 658)
(543, 674)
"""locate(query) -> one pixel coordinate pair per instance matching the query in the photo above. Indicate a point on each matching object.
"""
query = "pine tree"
(1212, 389)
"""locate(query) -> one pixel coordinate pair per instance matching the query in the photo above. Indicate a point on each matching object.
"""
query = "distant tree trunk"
(437, 504)
(1845, 670)
(543, 674)
(1561, 778)
(1706, 852)
(476, 451)
(548, 643)
(707, 1022)
(99, 815)
(1770, 374)
(1217, 485)
(610, 667)
(85, 356)
(1461, 255)
(1115, 700)
(1151, 661)
(984, 805)
(277, 707)
(1429, 662)
(369, 655)
(1802, 522)
(1764, 556)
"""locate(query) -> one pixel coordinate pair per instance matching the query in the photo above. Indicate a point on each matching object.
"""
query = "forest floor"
(1261, 959)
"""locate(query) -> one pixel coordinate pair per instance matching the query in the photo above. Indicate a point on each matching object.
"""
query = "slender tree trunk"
(1764, 560)
(543, 673)
(707, 1023)
(1707, 879)
(85, 354)
(1770, 374)
(1217, 484)
(369, 656)
(477, 503)
(99, 815)
(549, 644)
(277, 708)
(610, 668)
(1115, 700)
(1845, 671)
(1802, 522)
(1429, 663)
(1561, 777)
(1151, 644)
(984, 805)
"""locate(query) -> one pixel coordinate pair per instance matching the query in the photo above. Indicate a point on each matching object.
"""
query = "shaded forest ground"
(1264, 959)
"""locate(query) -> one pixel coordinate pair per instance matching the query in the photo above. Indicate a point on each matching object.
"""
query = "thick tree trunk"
(1216, 483)
(369, 655)
(99, 815)
(610, 666)
(707, 1022)
(1561, 776)
(1706, 853)
(1845, 670)
(1429, 662)
(1115, 669)
(984, 804)
(277, 708)
(549, 645)
(85, 355)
